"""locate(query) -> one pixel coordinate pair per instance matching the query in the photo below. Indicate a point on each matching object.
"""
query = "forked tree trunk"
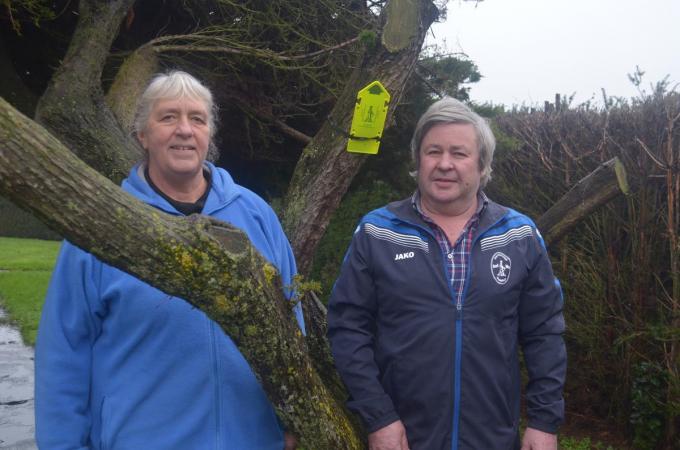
(209, 263)
(73, 106)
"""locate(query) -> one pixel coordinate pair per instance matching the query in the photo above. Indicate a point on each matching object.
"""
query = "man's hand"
(391, 437)
(289, 441)
(538, 440)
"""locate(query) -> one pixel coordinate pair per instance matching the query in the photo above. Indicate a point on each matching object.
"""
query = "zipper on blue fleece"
(218, 399)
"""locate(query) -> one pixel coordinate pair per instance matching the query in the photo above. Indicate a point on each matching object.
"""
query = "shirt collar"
(482, 201)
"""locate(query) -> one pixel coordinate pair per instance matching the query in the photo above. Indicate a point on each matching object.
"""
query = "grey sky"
(528, 50)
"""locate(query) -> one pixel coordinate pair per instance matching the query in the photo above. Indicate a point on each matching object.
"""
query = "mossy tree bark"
(73, 105)
(209, 263)
(325, 170)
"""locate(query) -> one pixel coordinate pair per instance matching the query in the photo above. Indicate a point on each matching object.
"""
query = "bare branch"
(658, 162)
(220, 47)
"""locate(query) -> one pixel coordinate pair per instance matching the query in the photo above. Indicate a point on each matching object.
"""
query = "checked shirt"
(456, 256)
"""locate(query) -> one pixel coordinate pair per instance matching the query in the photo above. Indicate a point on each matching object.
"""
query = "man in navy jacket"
(436, 296)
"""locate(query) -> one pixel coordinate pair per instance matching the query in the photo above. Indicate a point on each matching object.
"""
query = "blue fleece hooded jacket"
(121, 365)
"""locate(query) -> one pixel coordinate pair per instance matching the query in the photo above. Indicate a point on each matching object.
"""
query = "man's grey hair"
(449, 110)
(174, 85)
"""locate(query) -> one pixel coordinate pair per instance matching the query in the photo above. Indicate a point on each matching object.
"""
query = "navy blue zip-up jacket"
(449, 372)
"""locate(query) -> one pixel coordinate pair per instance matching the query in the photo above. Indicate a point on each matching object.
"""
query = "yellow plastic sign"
(368, 121)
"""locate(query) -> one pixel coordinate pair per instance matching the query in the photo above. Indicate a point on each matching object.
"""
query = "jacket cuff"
(387, 419)
(543, 426)
(376, 412)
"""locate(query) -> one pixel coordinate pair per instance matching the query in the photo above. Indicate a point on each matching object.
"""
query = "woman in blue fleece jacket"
(120, 364)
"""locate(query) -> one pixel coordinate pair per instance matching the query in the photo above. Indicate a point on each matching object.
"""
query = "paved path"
(17, 424)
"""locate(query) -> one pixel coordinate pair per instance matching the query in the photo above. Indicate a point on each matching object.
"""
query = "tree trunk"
(73, 106)
(131, 80)
(209, 263)
(591, 192)
(325, 170)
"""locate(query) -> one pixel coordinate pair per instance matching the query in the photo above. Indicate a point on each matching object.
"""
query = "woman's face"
(176, 138)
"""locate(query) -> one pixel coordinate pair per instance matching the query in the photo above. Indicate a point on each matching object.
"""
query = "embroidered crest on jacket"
(500, 267)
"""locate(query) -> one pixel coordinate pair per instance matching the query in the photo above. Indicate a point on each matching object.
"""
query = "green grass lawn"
(25, 269)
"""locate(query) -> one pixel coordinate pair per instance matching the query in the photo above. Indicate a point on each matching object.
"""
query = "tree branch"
(129, 84)
(221, 45)
(597, 188)
(292, 132)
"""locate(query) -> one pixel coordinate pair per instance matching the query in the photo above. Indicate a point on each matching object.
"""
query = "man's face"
(449, 174)
(177, 137)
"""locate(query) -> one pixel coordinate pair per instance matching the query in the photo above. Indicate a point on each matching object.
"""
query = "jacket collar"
(482, 201)
(223, 190)
(489, 215)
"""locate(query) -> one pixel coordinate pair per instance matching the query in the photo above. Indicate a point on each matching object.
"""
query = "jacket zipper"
(213, 348)
(459, 342)
(457, 359)
(458, 356)
(459, 325)
(459, 335)
(458, 331)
